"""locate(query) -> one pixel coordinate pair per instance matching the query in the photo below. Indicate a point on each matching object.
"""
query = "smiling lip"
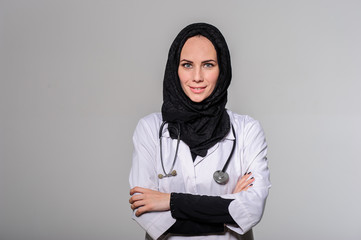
(197, 89)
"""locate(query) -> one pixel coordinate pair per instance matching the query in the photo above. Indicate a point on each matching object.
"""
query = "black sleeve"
(197, 214)
(191, 228)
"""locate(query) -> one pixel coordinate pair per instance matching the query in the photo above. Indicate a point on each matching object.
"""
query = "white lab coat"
(197, 177)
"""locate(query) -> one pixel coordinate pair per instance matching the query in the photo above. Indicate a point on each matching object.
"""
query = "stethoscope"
(220, 176)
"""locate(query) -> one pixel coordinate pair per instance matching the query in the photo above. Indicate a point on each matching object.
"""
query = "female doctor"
(199, 170)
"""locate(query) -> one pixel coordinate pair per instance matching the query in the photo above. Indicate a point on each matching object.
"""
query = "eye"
(186, 65)
(208, 65)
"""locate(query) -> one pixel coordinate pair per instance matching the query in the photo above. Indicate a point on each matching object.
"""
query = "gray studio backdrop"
(76, 76)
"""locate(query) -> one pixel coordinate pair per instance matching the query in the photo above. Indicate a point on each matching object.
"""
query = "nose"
(198, 75)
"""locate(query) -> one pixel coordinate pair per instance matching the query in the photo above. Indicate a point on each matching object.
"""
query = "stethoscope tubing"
(232, 151)
(176, 151)
(220, 176)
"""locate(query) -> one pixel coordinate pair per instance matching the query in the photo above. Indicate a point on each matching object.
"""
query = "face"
(198, 68)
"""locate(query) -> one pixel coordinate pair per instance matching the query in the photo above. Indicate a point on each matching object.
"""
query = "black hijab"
(202, 124)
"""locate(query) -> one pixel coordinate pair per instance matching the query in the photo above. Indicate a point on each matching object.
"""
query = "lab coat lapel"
(209, 152)
(199, 159)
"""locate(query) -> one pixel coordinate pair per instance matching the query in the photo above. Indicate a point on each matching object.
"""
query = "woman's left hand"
(244, 183)
(148, 200)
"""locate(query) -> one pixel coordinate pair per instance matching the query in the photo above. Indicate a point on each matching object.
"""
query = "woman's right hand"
(244, 183)
(148, 200)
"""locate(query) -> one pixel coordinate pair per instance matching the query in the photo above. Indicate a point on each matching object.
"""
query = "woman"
(182, 156)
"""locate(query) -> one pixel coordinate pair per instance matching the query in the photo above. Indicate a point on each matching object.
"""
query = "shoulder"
(241, 120)
(152, 120)
(245, 124)
(149, 125)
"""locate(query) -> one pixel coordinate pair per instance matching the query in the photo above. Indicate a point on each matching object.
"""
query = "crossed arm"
(147, 200)
(244, 207)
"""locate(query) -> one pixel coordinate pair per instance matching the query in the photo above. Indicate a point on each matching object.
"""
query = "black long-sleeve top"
(199, 214)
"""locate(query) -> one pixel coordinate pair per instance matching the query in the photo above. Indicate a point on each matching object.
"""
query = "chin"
(196, 99)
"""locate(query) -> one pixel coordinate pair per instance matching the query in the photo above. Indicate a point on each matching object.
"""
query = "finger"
(140, 211)
(242, 188)
(242, 180)
(136, 190)
(247, 182)
(238, 188)
(136, 198)
(246, 188)
(244, 177)
(137, 204)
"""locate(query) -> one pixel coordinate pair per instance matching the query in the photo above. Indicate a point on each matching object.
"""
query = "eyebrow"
(209, 60)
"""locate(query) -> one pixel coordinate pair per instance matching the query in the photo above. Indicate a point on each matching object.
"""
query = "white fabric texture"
(197, 177)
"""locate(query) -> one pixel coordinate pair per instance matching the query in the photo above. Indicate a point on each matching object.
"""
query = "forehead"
(198, 46)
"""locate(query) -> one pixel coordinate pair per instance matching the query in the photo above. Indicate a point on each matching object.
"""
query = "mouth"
(197, 89)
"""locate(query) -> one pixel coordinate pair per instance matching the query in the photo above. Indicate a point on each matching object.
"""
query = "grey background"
(76, 76)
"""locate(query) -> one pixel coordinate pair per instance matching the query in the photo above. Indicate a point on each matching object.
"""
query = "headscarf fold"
(202, 124)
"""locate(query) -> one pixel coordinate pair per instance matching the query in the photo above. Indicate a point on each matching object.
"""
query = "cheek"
(182, 79)
(213, 77)
(183, 76)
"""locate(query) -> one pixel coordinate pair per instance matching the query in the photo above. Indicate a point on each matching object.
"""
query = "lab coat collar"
(230, 135)
(165, 132)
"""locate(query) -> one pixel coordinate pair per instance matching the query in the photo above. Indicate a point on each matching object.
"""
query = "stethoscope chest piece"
(220, 177)
(172, 174)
